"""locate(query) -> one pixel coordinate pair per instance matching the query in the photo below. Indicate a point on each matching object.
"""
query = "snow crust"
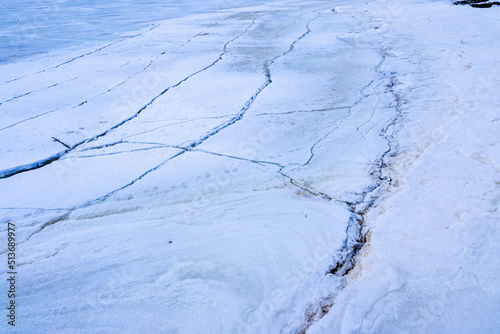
(431, 261)
(200, 175)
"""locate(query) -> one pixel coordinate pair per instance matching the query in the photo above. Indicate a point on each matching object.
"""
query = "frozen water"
(30, 27)
(207, 172)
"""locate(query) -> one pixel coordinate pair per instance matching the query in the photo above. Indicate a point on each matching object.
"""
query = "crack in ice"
(44, 162)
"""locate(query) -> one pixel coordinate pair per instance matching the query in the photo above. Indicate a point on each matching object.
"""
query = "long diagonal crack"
(87, 54)
(192, 145)
(44, 162)
(174, 124)
(299, 111)
(345, 259)
(349, 108)
(151, 62)
(17, 97)
(355, 240)
(153, 146)
(305, 189)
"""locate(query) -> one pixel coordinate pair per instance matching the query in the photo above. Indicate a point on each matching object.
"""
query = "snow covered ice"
(256, 167)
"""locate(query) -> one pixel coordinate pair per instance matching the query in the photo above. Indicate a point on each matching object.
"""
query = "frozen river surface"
(30, 27)
(216, 169)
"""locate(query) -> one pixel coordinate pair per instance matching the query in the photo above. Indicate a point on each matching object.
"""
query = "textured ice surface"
(199, 175)
(30, 27)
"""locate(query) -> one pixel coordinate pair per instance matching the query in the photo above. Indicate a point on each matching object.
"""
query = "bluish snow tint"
(30, 27)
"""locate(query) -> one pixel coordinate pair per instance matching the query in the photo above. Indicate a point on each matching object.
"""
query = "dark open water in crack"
(30, 27)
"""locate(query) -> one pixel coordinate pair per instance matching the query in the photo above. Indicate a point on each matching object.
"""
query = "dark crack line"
(319, 141)
(106, 46)
(291, 181)
(180, 147)
(122, 82)
(151, 62)
(345, 259)
(304, 188)
(211, 133)
(250, 102)
(224, 51)
(27, 119)
(185, 120)
(18, 96)
(299, 111)
(103, 146)
(118, 152)
(86, 54)
(102, 198)
(169, 125)
(258, 162)
(222, 126)
(36, 90)
(377, 68)
(29, 167)
(160, 145)
(355, 103)
(6, 173)
(60, 142)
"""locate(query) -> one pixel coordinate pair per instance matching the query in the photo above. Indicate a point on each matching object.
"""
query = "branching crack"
(88, 53)
(346, 258)
(192, 145)
(304, 188)
(201, 33)
(44, 162)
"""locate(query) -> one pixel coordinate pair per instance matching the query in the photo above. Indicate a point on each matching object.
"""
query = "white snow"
(431, 263)
(210, 170)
